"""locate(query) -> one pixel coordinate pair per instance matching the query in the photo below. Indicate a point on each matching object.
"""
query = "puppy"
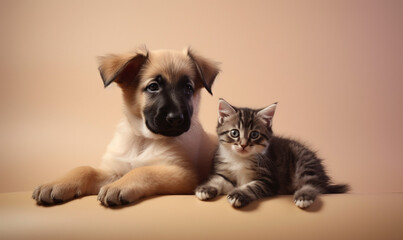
(159, 147)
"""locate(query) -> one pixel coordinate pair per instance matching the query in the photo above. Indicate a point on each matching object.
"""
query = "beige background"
(334, 66)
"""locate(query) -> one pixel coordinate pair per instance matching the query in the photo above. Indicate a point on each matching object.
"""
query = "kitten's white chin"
(243, 152)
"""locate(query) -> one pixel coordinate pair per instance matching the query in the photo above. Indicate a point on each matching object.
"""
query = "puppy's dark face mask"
(160, 87)
(169, 106)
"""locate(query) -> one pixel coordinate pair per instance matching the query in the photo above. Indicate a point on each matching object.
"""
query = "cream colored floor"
(348, 216)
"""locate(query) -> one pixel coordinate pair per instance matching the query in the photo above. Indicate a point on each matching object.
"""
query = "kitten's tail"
(337, 188)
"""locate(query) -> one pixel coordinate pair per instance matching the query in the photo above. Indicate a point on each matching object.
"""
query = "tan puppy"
(160, 146)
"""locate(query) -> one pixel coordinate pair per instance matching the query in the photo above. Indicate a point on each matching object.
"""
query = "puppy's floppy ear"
(119, 68)
(207, 70)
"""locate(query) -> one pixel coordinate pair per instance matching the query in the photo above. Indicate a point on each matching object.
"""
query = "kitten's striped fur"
(252, 163)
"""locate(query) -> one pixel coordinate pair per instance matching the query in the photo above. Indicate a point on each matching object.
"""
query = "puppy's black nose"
(175, 119)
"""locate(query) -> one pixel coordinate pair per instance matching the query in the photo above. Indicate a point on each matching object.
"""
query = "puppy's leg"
(147, 181)
(78, 182)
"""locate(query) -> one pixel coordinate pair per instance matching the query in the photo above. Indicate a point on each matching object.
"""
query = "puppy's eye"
(153, 87)
(234, 133)
(189, 89)
(254, 134)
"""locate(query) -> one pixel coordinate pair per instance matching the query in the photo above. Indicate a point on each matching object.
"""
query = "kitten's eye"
(254, 134)
(234, 133)
(153, 87)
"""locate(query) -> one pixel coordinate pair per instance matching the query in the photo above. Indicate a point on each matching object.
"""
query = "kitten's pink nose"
(243, 146)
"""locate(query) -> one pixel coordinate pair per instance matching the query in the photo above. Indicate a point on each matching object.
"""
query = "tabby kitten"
(252, 163)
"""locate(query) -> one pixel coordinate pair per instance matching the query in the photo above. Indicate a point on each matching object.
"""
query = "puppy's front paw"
(206, 192)
(113, 195)
(238, 199)
(56, 193)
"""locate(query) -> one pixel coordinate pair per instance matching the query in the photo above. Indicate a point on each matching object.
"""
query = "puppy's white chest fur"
(129, 150)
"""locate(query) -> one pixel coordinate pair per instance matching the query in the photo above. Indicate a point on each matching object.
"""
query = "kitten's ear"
(119, 68)
(224, 110)
(267, 114)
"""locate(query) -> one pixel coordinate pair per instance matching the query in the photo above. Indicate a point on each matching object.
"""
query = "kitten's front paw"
(305, 196)
(238, 199)
(206, 192)
(303, 203)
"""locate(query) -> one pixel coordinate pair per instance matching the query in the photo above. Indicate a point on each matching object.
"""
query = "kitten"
(252, 163)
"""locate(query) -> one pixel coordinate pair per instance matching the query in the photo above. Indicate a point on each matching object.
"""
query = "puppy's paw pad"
(112, 196)
(43, 195)
(206, 193)
(109, 196)
(56, 193)
(57, 200)
(122, 200)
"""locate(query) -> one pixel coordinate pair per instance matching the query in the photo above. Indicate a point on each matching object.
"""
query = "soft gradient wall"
(334, 66)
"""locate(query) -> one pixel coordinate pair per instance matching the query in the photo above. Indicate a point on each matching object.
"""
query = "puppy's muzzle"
(168, 122)
(172, 123)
